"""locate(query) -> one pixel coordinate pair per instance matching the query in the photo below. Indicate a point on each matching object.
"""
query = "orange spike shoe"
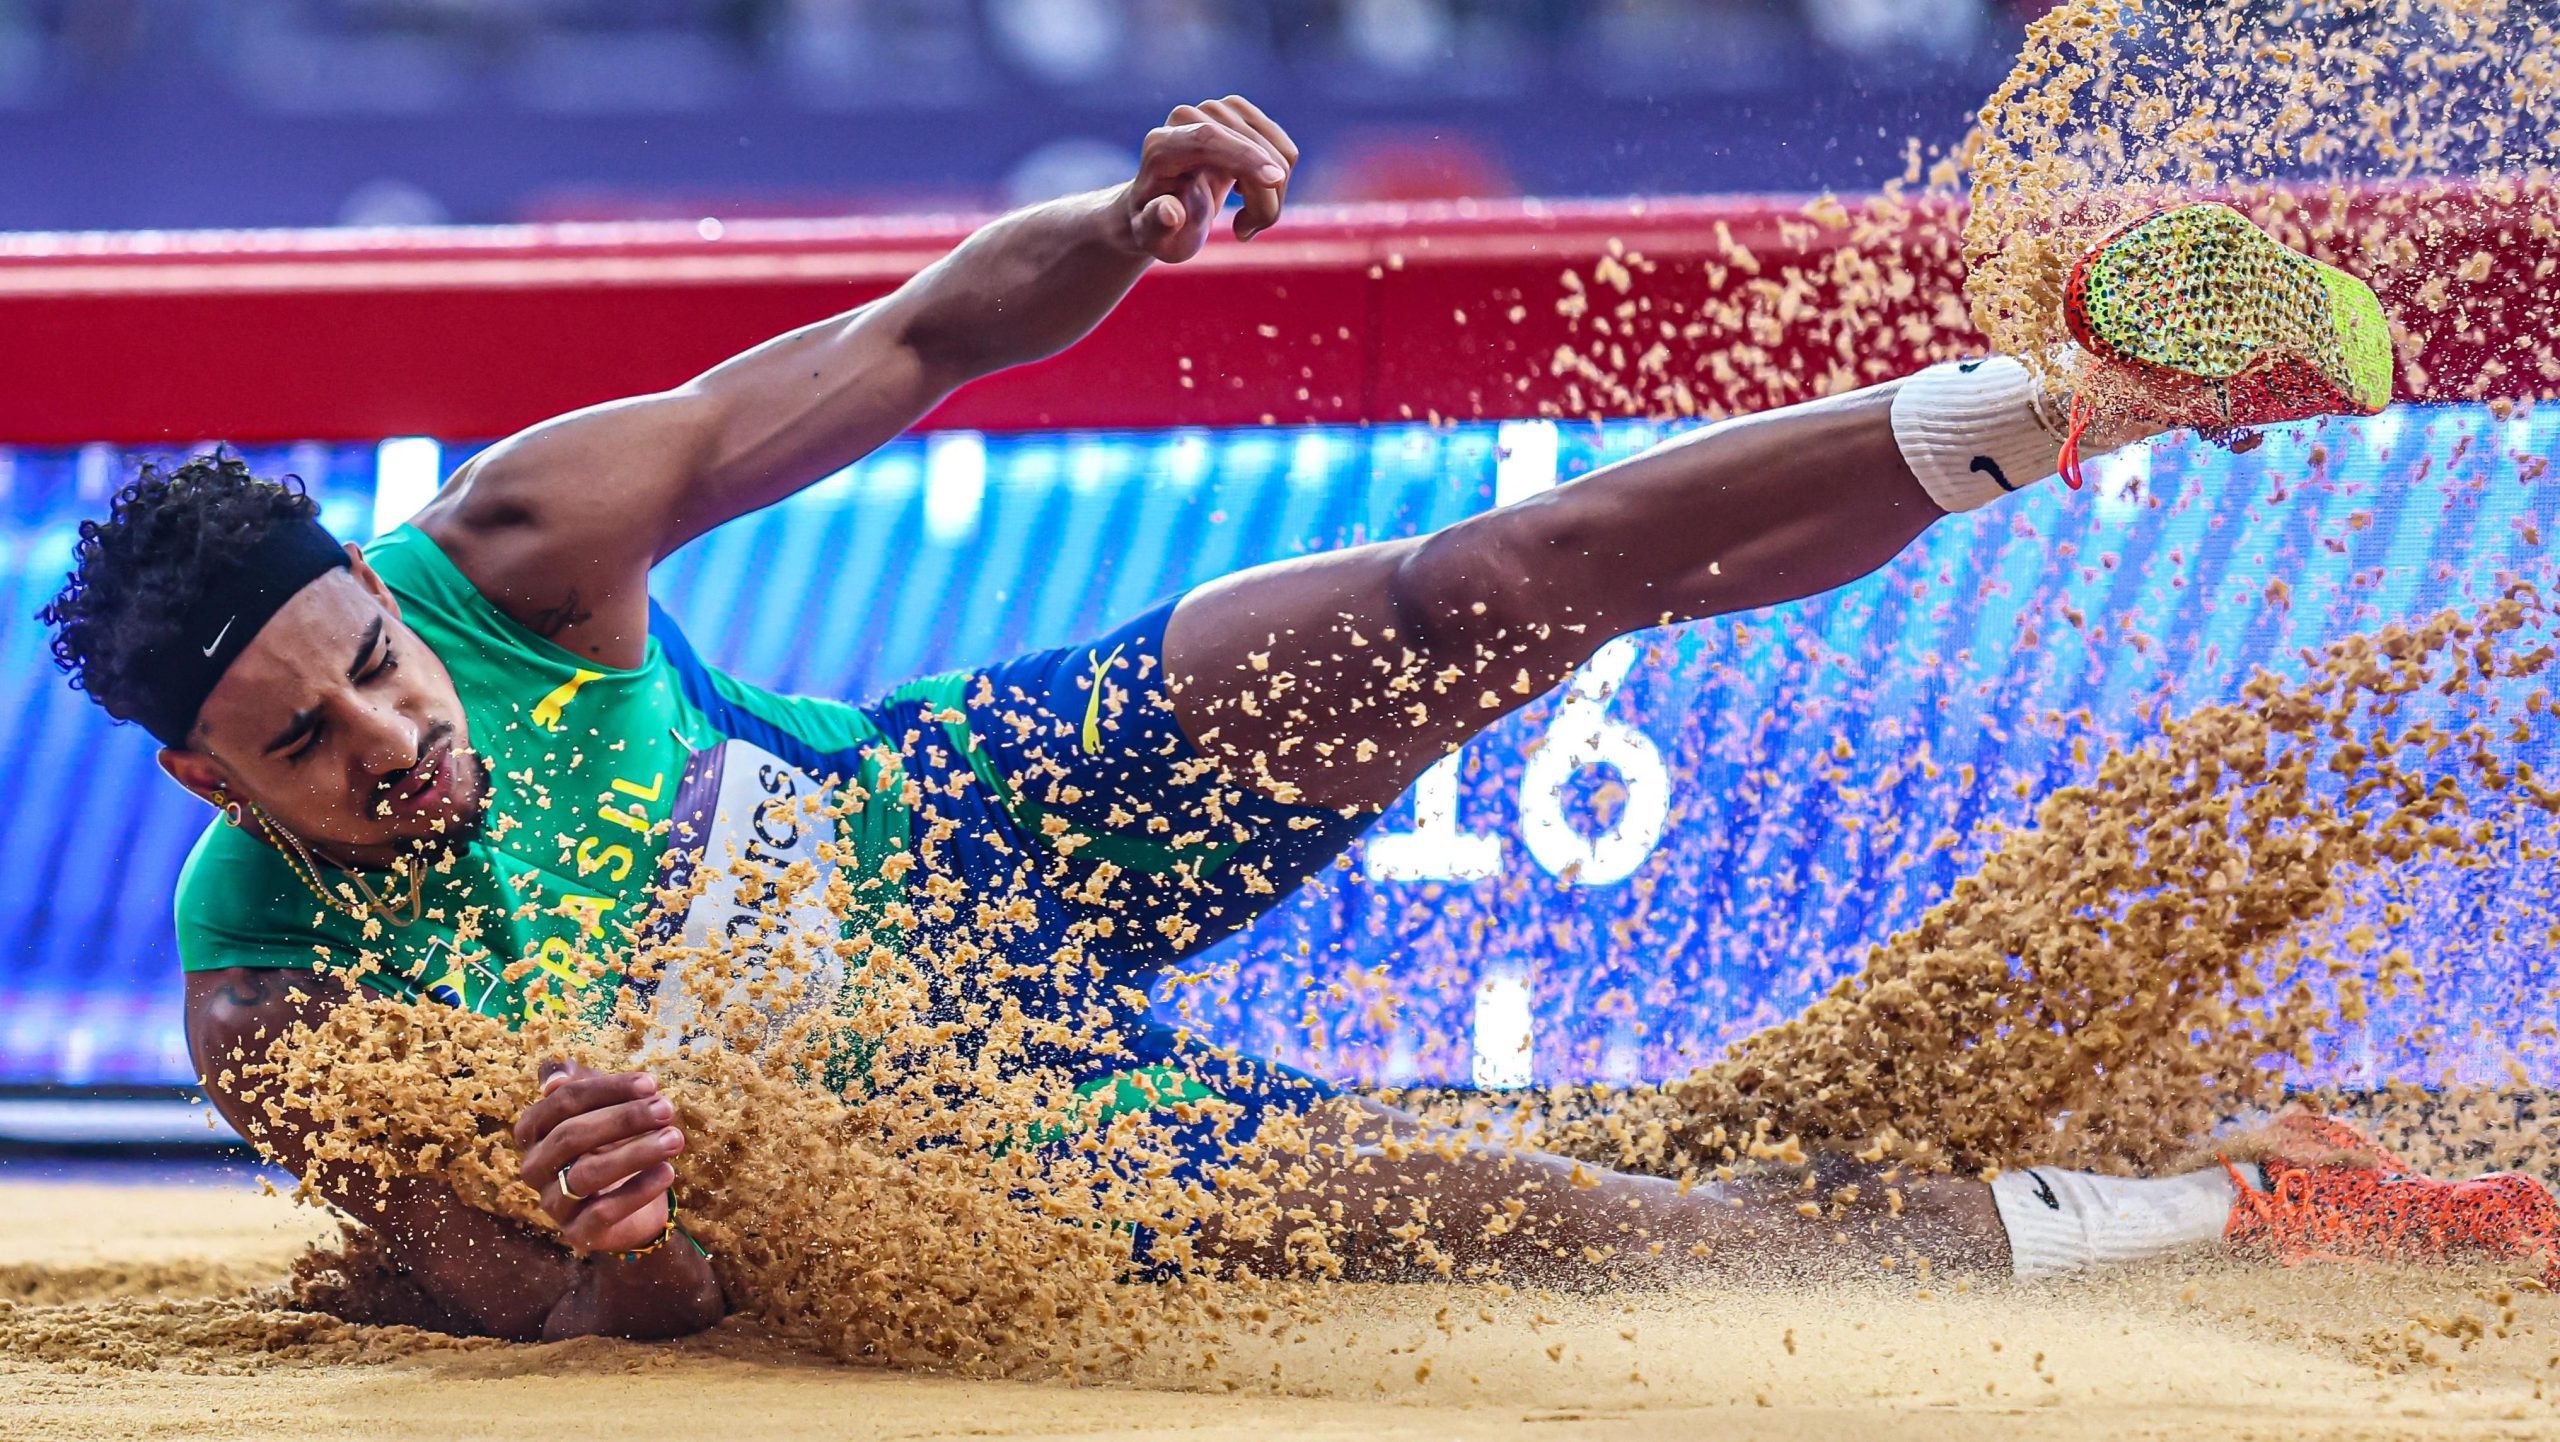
(2203, 320)
(2338, 1210)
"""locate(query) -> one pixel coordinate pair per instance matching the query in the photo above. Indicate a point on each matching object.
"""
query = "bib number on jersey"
(743, 817)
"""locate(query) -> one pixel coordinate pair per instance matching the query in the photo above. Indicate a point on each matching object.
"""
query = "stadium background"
(1606, 886)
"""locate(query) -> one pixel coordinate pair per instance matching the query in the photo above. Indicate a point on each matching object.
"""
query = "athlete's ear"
(366, 577)
(197, 772)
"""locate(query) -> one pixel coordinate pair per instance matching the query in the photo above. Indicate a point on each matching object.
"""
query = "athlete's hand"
(616, 1137)
(1191, 162)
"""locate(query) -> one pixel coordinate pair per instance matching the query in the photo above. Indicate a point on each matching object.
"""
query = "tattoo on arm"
(548, 624)
(244, 1008)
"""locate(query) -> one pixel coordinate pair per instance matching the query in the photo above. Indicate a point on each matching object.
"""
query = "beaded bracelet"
(672, 1231)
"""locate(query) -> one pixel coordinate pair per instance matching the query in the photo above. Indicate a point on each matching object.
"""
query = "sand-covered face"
(343, 726)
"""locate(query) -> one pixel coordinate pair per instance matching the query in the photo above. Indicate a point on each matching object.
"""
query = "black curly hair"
(142, 573)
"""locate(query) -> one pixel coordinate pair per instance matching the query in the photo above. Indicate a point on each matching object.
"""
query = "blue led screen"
(1710, 826)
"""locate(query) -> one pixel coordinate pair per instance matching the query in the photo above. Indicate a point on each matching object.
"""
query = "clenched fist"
(1189, 165)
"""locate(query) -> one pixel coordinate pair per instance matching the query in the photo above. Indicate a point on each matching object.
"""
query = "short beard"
(471, 771)
(474, 822)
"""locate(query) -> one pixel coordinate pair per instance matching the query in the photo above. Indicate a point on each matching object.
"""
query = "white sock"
(2062, 1221)
(1974, 431)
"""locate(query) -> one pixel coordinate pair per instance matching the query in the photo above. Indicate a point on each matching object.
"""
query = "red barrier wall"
(1374, 313)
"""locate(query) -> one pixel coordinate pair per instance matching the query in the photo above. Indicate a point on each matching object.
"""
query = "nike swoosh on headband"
(218, 635)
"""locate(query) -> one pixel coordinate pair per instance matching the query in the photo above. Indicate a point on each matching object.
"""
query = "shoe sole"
(2198, 290)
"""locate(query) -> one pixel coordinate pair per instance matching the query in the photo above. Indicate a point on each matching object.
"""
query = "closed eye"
(303, 745)
(309, 740)
(372, 663)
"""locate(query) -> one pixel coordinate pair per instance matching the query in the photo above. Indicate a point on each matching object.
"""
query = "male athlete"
(458, 759)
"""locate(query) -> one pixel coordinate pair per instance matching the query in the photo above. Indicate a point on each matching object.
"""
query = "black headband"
(238, 601)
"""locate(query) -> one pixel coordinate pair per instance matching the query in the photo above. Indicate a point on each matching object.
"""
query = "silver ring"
(564, 1185)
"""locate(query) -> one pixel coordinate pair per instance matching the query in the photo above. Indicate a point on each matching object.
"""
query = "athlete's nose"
(386, 739)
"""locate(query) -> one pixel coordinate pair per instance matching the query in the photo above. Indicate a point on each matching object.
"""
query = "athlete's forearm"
(519, 518)
(1024, 287)
(513, 1281)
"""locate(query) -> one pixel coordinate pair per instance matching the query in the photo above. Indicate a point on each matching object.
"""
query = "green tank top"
(588, 767)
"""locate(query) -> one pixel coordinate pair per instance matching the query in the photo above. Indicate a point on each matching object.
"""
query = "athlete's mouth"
(424, 781)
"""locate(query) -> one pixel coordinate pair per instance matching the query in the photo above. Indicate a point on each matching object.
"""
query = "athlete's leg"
(1379, 1195)
(1404, 1199)
(1334, 679)
(1337, 678)
(1398, 1198)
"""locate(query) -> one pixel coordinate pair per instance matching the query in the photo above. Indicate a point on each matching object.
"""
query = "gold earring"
(229, 808)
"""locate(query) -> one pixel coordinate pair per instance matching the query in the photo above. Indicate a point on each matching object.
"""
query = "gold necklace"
(299, 860)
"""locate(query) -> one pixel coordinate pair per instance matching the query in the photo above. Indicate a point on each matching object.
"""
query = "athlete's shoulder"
(239, 904)
(419, 572)
(488, 653)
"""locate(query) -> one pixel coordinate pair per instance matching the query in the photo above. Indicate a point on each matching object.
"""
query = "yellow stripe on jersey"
(1093, 703)
(546, 712)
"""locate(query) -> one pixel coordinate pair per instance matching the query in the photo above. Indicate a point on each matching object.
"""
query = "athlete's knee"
(1497, 588)
(1456, 588)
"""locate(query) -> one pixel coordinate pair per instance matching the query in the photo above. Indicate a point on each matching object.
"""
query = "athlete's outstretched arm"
(560, 523)
(479, 1273)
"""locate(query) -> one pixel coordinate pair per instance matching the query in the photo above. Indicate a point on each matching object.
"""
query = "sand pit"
(2166, 926)
(2216, 1352)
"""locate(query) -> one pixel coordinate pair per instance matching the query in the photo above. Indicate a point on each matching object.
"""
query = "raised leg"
(1334, 679)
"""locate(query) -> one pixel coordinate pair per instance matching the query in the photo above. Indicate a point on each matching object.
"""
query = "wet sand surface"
(134, 1312)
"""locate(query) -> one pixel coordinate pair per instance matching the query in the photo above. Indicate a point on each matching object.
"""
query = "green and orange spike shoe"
(2207, 322)
(2337, 1210)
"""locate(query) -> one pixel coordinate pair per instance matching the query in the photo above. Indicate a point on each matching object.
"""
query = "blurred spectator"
(1402, 36)
(1938, 29)
(391, 202)
(22, 55)
(282, 56)
(1441, 47)
(1059, 42)
(91, 36)
(1206, 46)
(1727, 47)
(628, 68)
(1068, 167)
(321, 110)
(873, 54)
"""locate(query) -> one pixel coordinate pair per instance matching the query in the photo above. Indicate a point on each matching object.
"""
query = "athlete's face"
(342, 726)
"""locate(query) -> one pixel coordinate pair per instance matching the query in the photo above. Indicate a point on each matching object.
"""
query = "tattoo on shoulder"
(548, 624)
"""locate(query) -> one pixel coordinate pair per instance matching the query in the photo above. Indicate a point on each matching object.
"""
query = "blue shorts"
(1076, 842)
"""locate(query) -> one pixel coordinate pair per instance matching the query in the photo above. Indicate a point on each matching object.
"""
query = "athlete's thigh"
(1302, 675)
(1155, 848)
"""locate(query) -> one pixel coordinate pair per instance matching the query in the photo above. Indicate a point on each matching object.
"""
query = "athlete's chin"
(465, 812)
(458, 827)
